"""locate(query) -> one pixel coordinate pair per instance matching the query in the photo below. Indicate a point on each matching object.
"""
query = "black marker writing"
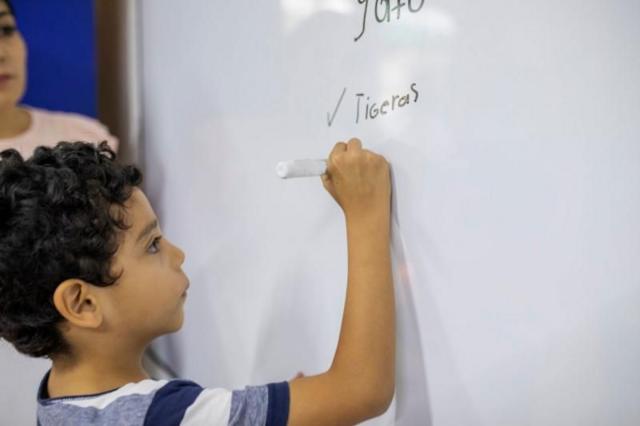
(372, 110)
(383, 10)
(330, 117)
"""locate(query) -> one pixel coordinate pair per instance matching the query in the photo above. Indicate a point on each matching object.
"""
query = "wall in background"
(61, 42)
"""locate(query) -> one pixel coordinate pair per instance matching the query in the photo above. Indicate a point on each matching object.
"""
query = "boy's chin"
(177, 325)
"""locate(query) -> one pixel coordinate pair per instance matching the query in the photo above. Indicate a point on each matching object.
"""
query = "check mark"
(330, 117)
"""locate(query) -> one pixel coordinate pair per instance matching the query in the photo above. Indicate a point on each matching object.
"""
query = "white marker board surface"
(513, 130)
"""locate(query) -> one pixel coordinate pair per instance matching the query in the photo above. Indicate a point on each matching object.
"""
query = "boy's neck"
(95, 374)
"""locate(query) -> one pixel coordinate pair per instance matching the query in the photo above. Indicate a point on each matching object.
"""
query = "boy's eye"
(7, 30)
(154, 247)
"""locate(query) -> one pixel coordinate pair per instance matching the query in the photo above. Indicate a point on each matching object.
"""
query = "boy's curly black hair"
(60, 217)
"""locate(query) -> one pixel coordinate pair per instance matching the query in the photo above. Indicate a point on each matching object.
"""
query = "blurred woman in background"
(23, 127)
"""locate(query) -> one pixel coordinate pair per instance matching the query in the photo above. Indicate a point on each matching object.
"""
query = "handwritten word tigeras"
(371, 110)
(382, 10)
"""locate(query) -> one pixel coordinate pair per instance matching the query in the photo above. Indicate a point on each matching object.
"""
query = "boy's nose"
(181, 256)
(178, 254)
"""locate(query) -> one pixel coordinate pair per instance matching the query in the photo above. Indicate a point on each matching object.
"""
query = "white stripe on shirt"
(143, 387)
(211, 407)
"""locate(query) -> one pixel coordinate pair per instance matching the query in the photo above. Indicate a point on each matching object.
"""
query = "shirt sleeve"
(99, 132)
(185, 403)
(262, 405)
(87, 128)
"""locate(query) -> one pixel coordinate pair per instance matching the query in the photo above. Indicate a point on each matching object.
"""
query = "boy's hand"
(357, 179)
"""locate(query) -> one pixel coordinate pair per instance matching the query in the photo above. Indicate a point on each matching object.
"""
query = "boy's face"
(147, 300)
(13, 56)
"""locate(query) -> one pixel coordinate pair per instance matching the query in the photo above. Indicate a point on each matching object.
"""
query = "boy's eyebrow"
(4, 13)
(147, 230)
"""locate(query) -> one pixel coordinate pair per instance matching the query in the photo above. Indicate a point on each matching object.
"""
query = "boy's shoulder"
(167, 402)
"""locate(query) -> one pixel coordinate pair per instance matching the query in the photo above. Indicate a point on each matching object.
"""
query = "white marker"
(301, 168)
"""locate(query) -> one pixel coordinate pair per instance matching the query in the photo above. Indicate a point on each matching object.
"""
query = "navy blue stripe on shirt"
(278, 411)
(170, 403)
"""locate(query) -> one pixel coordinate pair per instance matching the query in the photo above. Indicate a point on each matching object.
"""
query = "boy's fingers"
(338, 147)
(354, 144)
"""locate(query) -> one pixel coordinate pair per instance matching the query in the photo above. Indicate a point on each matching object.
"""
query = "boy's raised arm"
(360, 382)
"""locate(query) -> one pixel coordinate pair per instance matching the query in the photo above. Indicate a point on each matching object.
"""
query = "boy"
(88, 280)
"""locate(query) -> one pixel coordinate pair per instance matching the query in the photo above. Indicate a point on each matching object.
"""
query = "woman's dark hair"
(61, 215)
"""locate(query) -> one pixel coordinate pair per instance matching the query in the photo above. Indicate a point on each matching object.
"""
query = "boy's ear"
(77, 303)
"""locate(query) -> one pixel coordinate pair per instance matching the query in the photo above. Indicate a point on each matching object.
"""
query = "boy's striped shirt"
(167, 403)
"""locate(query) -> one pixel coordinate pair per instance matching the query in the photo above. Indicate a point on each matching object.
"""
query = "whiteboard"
(513, 131)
